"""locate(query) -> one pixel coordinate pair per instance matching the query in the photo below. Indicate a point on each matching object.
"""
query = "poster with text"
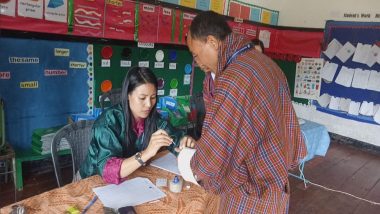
(308, 78)
(56, 10)
(120, 20)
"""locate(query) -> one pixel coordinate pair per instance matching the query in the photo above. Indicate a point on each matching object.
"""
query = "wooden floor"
(344, 168)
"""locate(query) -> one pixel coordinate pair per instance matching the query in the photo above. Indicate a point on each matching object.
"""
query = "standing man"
(251, 135)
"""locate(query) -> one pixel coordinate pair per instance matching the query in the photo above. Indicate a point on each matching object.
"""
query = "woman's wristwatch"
(138, 158)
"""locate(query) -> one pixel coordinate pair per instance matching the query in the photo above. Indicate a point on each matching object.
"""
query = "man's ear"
(213, 42)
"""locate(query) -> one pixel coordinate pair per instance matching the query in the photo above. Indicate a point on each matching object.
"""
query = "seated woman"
(127, 135)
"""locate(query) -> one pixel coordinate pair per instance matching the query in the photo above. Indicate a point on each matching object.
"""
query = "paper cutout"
(334, 103)
(374, 81)
(344, 104)
(361, 78)
(361, 53)
(324, 100)
(328, 71)
(354, 108)
(333, 48)
(345, 76)
(372, 55)
(184, 159)
(345, 52)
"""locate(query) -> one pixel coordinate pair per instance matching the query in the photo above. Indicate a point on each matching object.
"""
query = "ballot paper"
(361, 78)
(324, 100)
(361, 53)
(345, 76)
(374, 81)
(333, 48)
(184, 159)
(167, 162)
(328, 71)
(129, 193)
(345, 52)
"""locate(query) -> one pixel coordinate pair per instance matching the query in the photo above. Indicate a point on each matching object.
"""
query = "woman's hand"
(186, 141)
(158, 139)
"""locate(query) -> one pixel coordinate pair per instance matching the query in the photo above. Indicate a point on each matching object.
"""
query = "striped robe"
(250, 136)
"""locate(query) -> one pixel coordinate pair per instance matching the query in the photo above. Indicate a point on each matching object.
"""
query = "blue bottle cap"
(176, 179)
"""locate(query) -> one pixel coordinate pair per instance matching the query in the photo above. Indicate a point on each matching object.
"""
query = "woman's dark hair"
(138, 76)
(259, 43)
(209, 23)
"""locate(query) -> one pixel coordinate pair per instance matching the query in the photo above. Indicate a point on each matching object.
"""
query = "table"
(194, 200)
(317, 139)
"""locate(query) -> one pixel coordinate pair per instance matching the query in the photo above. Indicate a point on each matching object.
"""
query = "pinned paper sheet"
(366, 108)
(345, 76)
(361, 53)
(361, 78)
(328, 71)
(129, 193)
(344, 104)
(334, 103)
(264, 36)
(345, 52)
(372, 55)
(374, 81)
(324, 100)
(184, 159)
(333, 48)
(354, 108)
(376, 108)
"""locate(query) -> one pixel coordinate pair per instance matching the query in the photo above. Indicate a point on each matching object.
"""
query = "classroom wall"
(313, 14)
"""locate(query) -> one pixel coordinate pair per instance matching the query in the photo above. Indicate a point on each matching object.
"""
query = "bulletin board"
(123, 58)
(42, 83)
(353, 32)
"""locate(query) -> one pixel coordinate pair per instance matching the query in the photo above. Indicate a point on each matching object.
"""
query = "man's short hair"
(209, 23)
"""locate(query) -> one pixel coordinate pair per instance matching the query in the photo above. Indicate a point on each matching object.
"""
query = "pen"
(163, 126)
(92, 202)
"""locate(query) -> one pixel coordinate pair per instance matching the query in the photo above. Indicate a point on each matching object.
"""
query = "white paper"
(366, 108)
(361, 78)
(361, 53)
(32, 9)
(334, 103)
(56, 10)
(333, 48)
(184, 159)
(372, 55)
(264, 36)
(345, 52)
(186, 79)
(344, 104)
(376, 117)
(328, 71)
(324, 100)
(167, 162)
(8, 8)
(129, 193)
(354, 108)
(173, 92)
(374, 81)
(376, 108)
(345, 76)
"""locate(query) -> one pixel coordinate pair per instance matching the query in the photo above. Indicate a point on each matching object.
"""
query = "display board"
(351, 77)
(172, 66)
(42, 83)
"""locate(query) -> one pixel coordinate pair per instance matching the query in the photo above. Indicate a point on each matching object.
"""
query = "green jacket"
(108, 140)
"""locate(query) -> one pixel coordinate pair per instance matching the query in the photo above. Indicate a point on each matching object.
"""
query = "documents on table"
(184, 159)
(129, 193)
(167, 162)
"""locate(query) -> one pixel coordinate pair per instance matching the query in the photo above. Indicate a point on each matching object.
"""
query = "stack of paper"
(42, 139)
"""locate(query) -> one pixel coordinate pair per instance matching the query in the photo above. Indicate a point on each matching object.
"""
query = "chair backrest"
(114, 96)
(78, 135)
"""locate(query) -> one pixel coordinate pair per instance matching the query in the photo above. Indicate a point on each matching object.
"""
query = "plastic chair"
(114, 96)
(78, 135)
